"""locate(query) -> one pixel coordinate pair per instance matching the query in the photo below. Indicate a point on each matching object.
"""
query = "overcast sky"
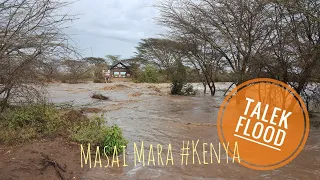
(112, 26)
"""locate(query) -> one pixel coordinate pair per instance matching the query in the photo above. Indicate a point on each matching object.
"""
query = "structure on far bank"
(120, 70)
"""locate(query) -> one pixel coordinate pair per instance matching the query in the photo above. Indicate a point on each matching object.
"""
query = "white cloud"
(112, 26)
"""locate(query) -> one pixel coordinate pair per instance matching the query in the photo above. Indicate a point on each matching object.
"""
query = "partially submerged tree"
(167, 55)
(206, 60)
(217, 32)
(249, 39)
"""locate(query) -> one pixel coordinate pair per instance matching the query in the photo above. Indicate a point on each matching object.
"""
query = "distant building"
(120, 70)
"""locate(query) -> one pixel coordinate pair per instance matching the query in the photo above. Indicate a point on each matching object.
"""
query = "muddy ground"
(28, 161)
(147, 113)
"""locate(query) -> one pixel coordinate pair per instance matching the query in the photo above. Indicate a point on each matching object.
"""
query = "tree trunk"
(205, 87)
(212, 88)
(4, 102)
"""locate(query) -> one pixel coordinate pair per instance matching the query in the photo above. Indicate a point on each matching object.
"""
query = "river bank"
(147, 113)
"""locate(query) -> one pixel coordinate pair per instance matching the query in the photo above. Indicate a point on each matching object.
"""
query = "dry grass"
(91, 110)
(115, 87)
(136, 94)
(74, 116)
(153, 87)
(122, 79)
(77, 90)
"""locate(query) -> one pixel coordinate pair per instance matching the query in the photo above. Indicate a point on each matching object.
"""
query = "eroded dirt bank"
(146, 113)
(39, 160)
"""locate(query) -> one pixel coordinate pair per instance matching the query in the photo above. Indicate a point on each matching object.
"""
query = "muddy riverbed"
(147, 113)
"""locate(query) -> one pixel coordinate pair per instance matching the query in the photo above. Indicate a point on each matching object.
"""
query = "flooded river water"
(147, 114)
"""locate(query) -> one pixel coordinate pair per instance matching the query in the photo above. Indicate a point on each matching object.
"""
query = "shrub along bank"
(23, 124)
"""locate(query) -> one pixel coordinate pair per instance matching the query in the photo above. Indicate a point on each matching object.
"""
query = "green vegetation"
(90, 131)
(114, 138)
(179, 78)
(97, 133)
(113, 59)
(168, 55)
(99, 65)
(23, 124)
(149, 75)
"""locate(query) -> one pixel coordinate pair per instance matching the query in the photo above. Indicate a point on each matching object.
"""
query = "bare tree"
(205, 59)
(235, 29)
(295, 41)
(100, 66)
(49, 69)
(76, 70)
(30, 32)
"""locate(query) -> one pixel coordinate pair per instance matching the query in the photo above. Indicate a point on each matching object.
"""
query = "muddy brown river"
(147, 114)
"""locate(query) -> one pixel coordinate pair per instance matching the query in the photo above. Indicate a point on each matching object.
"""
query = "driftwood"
(49, 162)
(100, 96)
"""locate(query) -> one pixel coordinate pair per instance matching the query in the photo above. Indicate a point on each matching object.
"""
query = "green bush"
(114, 138)
(97, 133)
(179, 79)
(44, 117)
(149, 75)
(20, 124)
(176, 88)
(92, 131)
